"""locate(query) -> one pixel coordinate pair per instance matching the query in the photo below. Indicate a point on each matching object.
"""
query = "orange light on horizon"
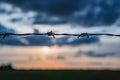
(45, 50)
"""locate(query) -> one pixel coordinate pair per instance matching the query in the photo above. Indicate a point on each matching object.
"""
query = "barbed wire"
(4, 35)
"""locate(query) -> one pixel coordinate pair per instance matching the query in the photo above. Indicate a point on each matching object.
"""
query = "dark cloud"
(82, 12)
(39, 40)
(60, 7)
(58, 57)
(16, 20)
(32, 40)
(94, 54)
(83, 40)
(11, 41)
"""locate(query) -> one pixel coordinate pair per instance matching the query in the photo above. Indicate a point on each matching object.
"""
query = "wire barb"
(51, 34)
(85, 34)
(5, 35)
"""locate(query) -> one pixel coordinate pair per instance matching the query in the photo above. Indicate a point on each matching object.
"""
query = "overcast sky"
(60, 16)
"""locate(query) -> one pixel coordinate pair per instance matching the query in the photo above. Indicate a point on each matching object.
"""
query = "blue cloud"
(83, 40)
(39, 40)
(94, 54)
(5, 30)
(60, 7)
(82, 12)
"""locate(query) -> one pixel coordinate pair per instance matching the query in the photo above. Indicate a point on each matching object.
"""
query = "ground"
(59, 75)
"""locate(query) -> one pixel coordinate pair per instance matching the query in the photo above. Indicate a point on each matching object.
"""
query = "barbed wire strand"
(4, 35)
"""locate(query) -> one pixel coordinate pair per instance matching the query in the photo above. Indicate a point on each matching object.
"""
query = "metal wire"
(4, 35)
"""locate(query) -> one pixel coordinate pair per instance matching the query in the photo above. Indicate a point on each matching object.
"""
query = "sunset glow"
(45, 50)
(59, 57)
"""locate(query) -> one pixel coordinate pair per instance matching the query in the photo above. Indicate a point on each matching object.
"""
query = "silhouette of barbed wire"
(4, 35)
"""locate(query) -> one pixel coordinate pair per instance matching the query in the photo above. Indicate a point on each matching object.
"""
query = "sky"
(60, 16)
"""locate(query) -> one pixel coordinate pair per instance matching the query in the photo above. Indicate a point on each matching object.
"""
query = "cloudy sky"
(60, 16)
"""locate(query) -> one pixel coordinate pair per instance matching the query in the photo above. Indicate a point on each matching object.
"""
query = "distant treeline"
(6, 67)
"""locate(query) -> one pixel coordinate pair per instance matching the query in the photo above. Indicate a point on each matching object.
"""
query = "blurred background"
(60, 16)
